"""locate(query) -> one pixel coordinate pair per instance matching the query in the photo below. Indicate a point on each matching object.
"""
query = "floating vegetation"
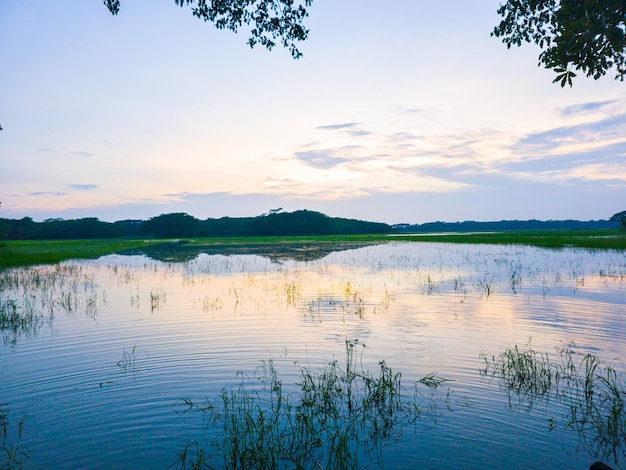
(594, 393)
(337, 415)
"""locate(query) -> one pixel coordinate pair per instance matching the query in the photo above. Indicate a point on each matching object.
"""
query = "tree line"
(504, 225)
(274, 223)
(182, 225)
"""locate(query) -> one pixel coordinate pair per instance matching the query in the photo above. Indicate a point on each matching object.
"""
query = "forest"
(182, 225)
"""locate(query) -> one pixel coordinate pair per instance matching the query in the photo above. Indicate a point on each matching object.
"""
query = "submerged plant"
(336, 415)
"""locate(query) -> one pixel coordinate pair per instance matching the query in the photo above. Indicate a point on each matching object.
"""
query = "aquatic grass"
(515, 279)
(31, 297)
(485, 285)
(386, 299)
(336, 415)
(346, 298)
(593, 393)
(600, 415)
(14, 454)
(17, 321)
(210, 304)
(522, 371)
(433, 381)
(294, 292)
(158, 298)
(431, 285)
(128, 362)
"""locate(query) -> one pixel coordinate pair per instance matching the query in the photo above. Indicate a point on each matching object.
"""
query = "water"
(115, 344)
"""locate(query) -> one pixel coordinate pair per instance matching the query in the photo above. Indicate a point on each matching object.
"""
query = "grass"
(336, 415)
(23, 253)
(593, 393)
(31, 252)
(16, 321)
(128, 363)
(13, 453)
(30, 298)
(595, 238)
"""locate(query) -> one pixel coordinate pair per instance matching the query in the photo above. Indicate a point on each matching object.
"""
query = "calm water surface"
(114, 344)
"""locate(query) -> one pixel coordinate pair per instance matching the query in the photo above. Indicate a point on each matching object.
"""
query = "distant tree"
(88, 227)
(586, 35)
(178, 225)
(270, 20)
(17, 229)
(305, 222)
(621, 218)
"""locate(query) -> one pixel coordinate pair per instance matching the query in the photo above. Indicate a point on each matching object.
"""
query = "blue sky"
(399, 111)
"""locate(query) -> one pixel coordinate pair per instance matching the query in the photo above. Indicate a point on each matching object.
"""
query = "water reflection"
(181, 251)
(113, 343)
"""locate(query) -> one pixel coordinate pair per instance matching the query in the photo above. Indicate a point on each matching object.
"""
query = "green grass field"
(22, 253)
(598, 238)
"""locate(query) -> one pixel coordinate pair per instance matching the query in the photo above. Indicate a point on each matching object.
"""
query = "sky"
(399, 111)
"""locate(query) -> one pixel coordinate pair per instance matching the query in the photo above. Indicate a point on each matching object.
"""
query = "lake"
(128, 361)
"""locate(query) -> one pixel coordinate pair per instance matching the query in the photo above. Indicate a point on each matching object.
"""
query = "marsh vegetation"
(225, 360)
(593, 392)
(14, 454)
(335, 415)
(19, 252)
